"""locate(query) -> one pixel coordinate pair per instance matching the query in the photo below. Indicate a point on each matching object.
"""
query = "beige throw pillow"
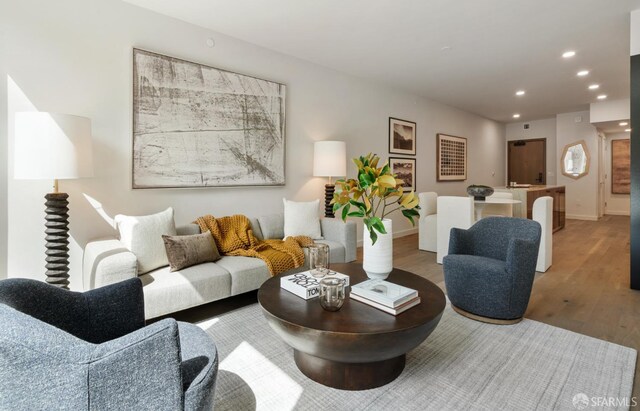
(186, 250)
(142, 235)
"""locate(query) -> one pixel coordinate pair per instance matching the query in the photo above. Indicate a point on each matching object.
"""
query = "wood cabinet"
(528, 195)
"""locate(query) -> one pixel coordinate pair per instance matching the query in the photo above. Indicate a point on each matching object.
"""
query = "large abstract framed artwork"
(620, 166)
(402, 136)
(405, 170)
(198, 126)
(451, 158)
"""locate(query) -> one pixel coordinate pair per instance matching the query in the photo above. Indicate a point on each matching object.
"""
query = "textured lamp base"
(329, 189)
(57, 231)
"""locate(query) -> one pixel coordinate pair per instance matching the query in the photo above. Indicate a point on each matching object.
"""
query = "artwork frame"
(394, 165)
(451, 158)
(402, 136)
(198, 126)
(621, 166)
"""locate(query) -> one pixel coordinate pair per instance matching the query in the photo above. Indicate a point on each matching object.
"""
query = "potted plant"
(374, 195)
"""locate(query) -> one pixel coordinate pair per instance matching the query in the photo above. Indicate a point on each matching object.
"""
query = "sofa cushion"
(186, 250)
(142, 235)
(166, 292)
(255, 226)
(302, 218)
(247, 273)
(272, 226)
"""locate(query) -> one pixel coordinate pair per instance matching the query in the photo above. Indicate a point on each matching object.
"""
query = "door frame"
(544, 157)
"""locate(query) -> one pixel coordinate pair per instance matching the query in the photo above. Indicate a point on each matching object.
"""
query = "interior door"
(527, 161)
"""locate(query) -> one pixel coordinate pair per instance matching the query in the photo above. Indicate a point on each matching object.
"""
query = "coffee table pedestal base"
(349, 376)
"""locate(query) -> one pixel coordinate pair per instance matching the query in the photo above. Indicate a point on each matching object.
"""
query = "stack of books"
(305, 285)
(383, 295)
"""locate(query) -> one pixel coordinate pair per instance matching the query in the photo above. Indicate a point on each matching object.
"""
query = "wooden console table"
(529, 194)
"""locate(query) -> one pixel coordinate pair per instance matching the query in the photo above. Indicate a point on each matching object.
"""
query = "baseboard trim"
(616, 213)
(582, 217)
(398, 234)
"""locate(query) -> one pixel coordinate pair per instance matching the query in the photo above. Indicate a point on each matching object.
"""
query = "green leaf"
(345, 211)
(356, 214)
(373, 236)
(336, 207)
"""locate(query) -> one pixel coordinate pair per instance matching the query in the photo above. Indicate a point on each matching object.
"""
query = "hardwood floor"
(586, 290)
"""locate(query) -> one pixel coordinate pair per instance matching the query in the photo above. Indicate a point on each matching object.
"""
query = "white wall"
(617, 204)
(635, 33)
(74, 56)
(545, 128)
(3, 162)
(581, 194)
(610, 110)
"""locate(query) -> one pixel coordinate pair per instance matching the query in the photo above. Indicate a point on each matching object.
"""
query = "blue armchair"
(66, 350)
(490, 268)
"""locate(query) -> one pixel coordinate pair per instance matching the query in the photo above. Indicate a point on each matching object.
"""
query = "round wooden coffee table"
(358, 347)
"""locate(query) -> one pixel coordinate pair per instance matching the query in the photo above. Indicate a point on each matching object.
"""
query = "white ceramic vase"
(378, 257)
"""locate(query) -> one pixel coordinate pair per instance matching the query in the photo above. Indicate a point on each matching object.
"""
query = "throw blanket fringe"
(234, 236)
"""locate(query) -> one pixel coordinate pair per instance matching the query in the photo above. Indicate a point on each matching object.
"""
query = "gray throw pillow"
(186, 250)
(272, 226)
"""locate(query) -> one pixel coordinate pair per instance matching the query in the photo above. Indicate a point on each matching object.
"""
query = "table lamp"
(329, 160)
(53, 147)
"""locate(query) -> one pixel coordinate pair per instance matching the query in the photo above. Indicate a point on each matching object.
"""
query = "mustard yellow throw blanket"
(233, 236)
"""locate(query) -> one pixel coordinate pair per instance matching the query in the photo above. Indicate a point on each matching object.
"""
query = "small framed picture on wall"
(402, 137)
(405, 170)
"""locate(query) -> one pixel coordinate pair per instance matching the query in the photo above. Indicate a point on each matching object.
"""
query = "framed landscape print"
(405, 170)
(199, 126)
(402, 137)
(621, 166)
(451, 161)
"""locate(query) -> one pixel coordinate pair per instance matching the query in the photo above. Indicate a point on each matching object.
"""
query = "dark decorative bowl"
(479, 192)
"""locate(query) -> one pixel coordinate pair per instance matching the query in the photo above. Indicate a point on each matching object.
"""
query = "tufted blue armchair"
(490, 268)
(92, 351)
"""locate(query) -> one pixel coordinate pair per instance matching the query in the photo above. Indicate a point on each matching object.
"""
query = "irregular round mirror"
(575, 160)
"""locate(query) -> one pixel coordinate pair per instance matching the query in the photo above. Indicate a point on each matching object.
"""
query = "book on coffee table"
(305, 285)
(395, 311)
(383, 292)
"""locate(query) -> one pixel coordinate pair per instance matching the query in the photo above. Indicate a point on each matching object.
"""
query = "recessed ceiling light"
(624, 123)
(520, 93)
(627, 130)
(568, 54)
(594, 86)
(516, 116)
(602, 96)
(583, 73)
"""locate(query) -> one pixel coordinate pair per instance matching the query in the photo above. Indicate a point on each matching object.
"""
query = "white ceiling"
(496, 46)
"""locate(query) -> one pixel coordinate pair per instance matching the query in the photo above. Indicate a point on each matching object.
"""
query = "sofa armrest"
(334, 229)
(106, 262)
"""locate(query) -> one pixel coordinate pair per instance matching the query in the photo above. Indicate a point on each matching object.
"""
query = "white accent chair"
(503, 210)
(427, 226)
(543, 213)
(453, 212)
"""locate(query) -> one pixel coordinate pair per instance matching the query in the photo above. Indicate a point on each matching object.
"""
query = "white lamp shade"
(52, 146)
(330, 159)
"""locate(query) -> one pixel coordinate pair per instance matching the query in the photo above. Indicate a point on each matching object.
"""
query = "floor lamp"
(54, 147)
(329, 160)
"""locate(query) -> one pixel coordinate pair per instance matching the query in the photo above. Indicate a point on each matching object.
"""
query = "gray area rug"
(464, 364)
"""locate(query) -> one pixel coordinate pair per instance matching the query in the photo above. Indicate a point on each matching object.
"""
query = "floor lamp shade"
(329, 160)
(53, 147)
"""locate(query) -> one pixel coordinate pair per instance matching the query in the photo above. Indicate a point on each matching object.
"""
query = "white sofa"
(108, 261)
(427, 227)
